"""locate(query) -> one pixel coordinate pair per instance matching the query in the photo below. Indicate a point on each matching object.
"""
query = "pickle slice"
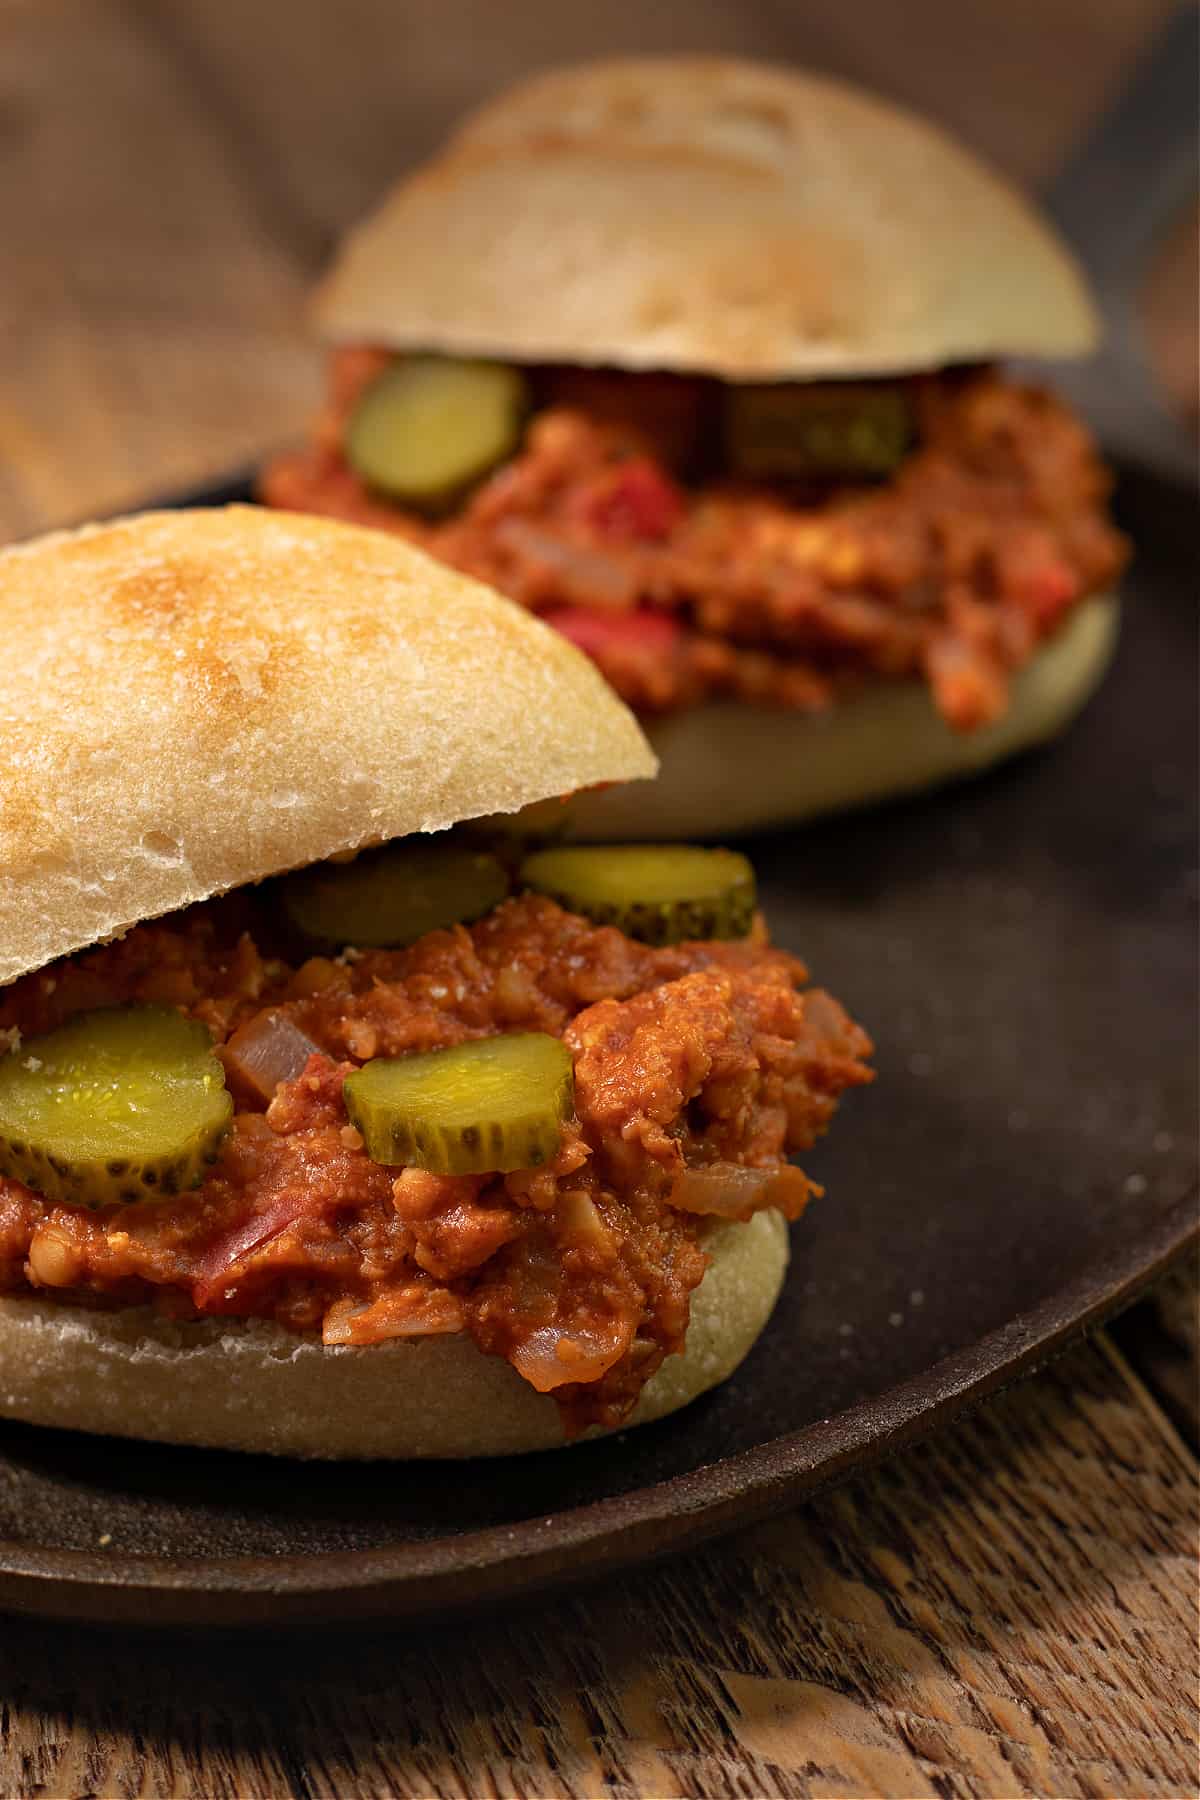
(495, 1103)
(829, 429)
(431, 425)
(390, 897)
(117, 1105)
(660, 893)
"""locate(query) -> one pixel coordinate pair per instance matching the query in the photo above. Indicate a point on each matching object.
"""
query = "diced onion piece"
(553, 1355)
(266, 1050)
(726, 1190)
(579, 1217)
(410, 1312)
(591, 577)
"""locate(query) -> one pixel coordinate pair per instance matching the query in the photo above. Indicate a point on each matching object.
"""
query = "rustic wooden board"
(1009, 1610)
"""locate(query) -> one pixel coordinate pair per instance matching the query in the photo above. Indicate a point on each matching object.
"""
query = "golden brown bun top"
(749, 221)
(194, 700)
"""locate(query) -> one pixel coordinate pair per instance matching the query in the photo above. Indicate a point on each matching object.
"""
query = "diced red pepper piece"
(1048, 590)
(226, 1251)
(637, 500)
(597, 632)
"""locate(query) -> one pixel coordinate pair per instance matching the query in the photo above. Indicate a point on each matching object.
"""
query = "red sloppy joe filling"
(615, 521)
(698, 1068)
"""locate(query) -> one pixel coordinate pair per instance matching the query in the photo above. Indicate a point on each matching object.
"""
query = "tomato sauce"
(684, 589)
(689, 1061)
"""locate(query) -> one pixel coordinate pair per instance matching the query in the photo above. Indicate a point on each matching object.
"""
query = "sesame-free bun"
(728, 768)
(696, 213)
(246, 1384)
(194, 700)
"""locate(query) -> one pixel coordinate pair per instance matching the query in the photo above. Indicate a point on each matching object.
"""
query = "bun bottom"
(250, 1385)
(730, 768)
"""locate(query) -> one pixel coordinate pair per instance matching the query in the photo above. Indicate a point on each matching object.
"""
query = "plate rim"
(414, 1580)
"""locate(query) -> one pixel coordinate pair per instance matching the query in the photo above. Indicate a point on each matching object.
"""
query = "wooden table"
(1008, 1610)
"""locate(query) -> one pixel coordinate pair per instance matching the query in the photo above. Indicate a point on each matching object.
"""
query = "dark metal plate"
(1024, 951)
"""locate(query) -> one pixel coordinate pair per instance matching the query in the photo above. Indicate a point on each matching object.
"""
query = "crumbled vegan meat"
(697, 1057)
(990, 531)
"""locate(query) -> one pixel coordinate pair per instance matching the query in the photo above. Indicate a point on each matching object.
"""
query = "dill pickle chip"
(431, 425)
(659, 893)
(390, 897)
(495, 1103)
(827, 429)
(118, 1105)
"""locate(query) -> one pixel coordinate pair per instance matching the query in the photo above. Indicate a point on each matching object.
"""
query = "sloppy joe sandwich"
(698, 359)
(329, 1125)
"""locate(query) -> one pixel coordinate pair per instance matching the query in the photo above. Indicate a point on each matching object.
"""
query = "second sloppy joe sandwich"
(327, 1126)
(701, 360)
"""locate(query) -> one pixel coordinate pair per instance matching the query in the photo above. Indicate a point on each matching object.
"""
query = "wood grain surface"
(1008, 1611)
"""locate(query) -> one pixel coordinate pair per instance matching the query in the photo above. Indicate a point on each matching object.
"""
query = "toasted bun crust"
(249, 1385)
(730, 768)
(194, 700)
(697, 213)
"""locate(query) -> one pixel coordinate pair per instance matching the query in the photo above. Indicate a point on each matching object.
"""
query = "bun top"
(694, 213)
(194, 700)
